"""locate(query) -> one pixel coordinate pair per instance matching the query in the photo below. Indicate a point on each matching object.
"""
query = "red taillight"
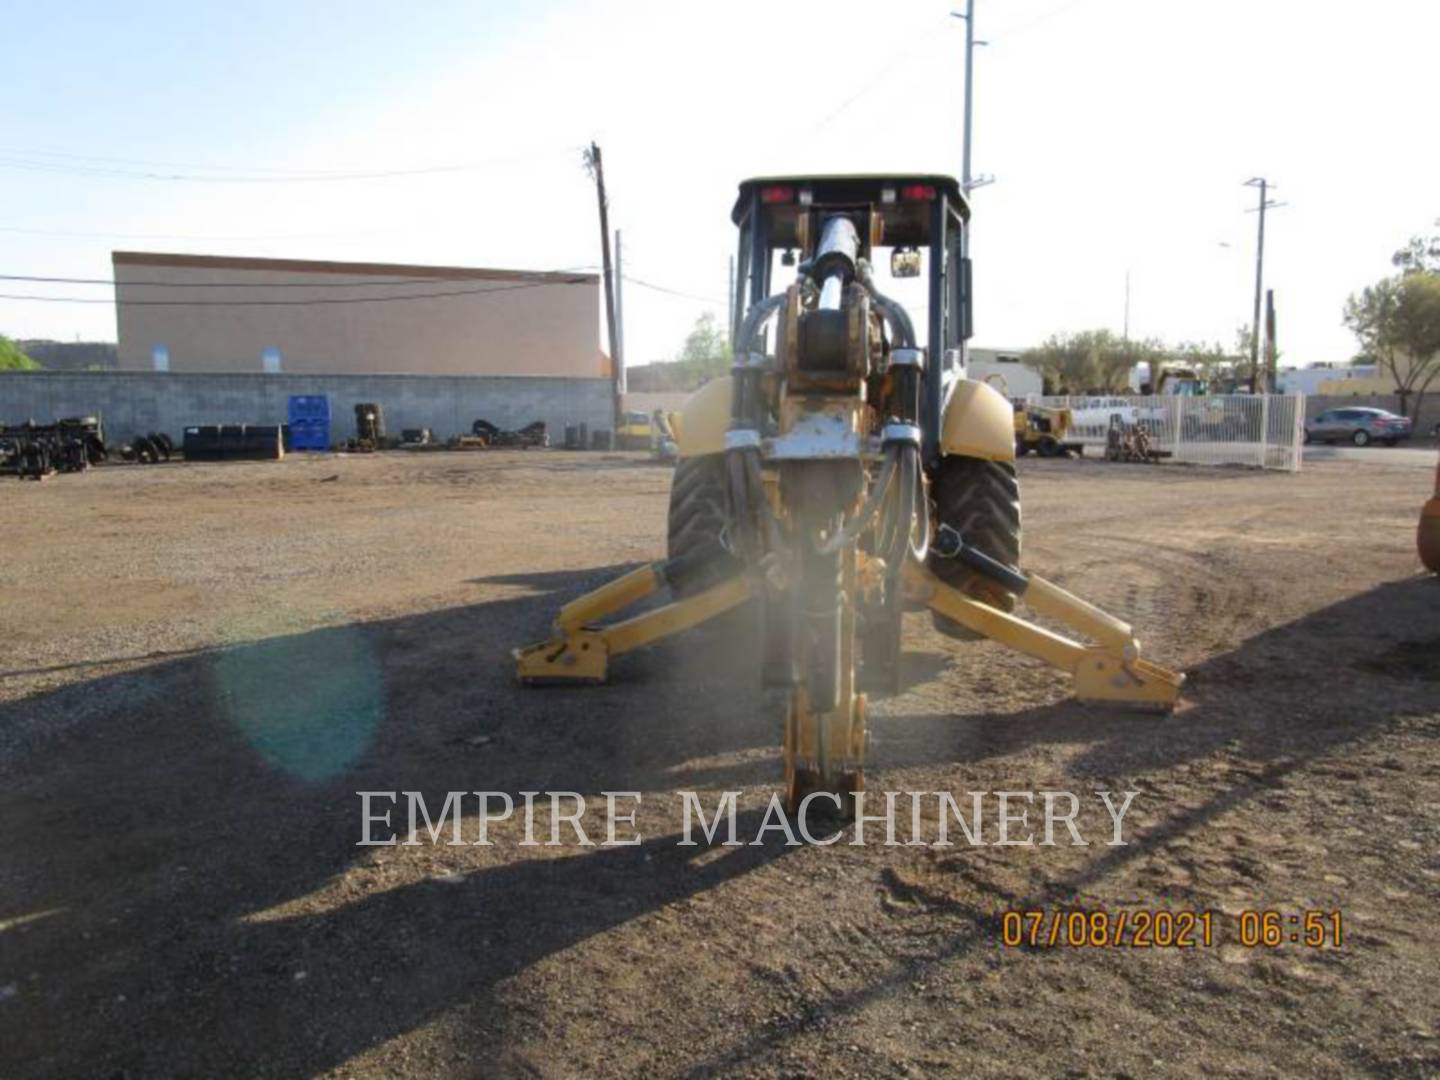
(918, 192)
(777, 194)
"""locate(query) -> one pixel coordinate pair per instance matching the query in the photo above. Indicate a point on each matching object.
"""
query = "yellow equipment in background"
(664, 440)
(1427, 537)
(1044, 429)
(635, 431)
(842, 473)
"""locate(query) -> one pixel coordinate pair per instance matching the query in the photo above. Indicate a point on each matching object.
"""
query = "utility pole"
(967, 181)
(620, 310)
(596, 168)
(1265, 204)
(1271, 352)
(1125, 334)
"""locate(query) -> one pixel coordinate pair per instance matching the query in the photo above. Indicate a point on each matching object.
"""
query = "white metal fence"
(1262, 430)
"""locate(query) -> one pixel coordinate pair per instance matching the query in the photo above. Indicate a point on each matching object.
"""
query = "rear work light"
(918, 192)
(777, 194)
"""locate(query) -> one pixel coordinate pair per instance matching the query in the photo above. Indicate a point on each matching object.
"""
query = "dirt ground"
(201, 665)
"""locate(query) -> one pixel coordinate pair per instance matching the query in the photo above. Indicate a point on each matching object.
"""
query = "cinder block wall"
(139, 402)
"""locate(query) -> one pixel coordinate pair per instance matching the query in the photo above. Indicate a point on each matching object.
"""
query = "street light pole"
(1126, 333)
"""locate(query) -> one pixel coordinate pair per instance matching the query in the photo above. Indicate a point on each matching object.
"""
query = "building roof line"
(318, 266)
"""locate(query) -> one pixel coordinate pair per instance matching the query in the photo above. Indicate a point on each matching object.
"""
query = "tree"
(1397, 321)
(1242, 341)
(1421, 255)
(1210, 359)
(704, 356)
(1091, 362)
(12, 359)
(706, 348)
(1064, 362)
(1118, 359)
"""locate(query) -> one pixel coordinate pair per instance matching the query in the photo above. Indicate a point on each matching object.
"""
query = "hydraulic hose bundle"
(898, 492)
(754, 527)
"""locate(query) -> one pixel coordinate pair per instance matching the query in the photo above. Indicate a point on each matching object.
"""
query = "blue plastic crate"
(310, 434)
(309, 407)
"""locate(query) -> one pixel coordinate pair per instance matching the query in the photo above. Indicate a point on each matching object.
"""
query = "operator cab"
(917, 223)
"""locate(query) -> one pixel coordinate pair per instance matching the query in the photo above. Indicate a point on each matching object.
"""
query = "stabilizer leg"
(1111, 670)
(579, 651)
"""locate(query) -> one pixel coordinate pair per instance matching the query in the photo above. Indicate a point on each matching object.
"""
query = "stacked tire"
(151, 449)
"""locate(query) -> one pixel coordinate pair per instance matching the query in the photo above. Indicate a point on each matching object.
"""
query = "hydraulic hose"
(861, 521)
(899, 545)
(922, 502)
(741, 509)
(897, 537)
(755, 318)
(753, 528)
(893, 311)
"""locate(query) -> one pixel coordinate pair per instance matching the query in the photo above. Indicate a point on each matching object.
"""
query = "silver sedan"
(1357, 425)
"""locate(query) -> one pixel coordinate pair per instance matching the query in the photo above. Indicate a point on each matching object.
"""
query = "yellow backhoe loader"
(842, 472)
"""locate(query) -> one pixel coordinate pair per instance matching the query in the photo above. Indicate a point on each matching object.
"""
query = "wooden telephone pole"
(1272, 352)
(596, 167)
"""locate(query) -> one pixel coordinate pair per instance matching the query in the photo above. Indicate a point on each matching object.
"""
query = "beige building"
(1002, 369)
(1371, 380)
(191, 313)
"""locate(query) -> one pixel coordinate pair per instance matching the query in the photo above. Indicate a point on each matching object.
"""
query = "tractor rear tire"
(699, 514)
(981, 500)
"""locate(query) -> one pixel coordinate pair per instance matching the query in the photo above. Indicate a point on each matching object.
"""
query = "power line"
(674, 292)
(210, 167)
(295, 303)
(255, 176)
(189, 236)
(14, 152)
(269, 284)
(313, 285)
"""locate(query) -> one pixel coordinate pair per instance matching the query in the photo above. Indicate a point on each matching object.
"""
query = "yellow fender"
(979, 422)
(702, 421)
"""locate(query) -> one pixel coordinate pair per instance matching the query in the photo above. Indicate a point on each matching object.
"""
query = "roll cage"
(922, 211)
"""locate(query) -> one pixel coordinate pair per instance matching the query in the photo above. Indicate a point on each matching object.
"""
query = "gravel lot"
(202, 665)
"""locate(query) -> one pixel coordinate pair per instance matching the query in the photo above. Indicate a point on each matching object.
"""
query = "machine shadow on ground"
(195, 794)
(1281, 702)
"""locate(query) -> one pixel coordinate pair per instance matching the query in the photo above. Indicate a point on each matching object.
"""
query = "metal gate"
(1266, 431)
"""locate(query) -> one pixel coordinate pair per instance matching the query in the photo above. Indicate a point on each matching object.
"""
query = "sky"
(1119, 133)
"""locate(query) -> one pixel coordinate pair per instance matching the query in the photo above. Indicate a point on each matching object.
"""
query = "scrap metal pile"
(1131, 442)
(531, 435)
(148, 449)
(34, 451)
